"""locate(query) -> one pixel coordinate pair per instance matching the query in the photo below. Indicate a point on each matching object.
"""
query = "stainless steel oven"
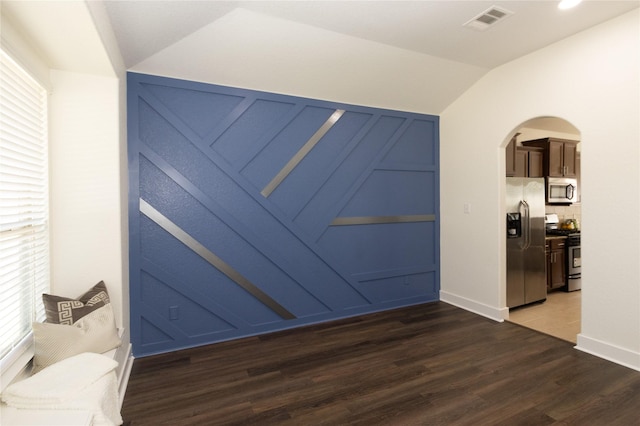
(574, 263)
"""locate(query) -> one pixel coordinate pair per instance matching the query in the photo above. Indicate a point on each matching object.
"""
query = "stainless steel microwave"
(562, 190)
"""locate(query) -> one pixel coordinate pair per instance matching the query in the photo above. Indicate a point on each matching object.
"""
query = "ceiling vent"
(488, 18)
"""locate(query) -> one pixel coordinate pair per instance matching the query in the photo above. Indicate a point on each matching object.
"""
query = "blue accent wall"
(200, 158)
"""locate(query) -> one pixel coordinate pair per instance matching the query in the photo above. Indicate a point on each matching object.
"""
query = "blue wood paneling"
(236, 198)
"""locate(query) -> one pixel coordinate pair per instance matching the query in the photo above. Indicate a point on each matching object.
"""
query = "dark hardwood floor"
(431, 364)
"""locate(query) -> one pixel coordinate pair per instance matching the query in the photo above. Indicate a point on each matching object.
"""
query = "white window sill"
(20, 369)
(16, 365)
(21, 417)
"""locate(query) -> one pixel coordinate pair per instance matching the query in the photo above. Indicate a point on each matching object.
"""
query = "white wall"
(22, 52)
(87, 142)
(85, 204)
(593, 81)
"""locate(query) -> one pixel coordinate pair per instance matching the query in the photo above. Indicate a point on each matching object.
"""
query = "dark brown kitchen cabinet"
(536, 163)
(556, 259)
(510, 157)
(529, 162)
(560, 156)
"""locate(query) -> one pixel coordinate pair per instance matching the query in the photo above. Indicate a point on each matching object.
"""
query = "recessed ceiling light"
(568, 4)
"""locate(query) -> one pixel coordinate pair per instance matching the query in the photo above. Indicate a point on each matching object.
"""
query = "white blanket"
(82, 382)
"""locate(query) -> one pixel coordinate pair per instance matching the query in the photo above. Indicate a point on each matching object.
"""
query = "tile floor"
(558, 316)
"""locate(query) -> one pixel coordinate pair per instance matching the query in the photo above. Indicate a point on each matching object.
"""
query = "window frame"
(17, 354)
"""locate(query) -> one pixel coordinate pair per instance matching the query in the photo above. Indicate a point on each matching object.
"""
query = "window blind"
(24, 231)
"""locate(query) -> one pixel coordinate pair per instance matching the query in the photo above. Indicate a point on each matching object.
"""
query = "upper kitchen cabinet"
(510, 156)
(529, 162)
(560, 156)
(523, 161)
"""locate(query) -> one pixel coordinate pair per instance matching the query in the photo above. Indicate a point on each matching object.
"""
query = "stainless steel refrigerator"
(526, 262)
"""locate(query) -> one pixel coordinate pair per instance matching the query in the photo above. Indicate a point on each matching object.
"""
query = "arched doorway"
(560, 313)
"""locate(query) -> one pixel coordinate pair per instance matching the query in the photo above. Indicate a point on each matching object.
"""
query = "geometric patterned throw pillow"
(63, 310)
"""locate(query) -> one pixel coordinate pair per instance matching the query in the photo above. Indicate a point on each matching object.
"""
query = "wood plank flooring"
(431, 364)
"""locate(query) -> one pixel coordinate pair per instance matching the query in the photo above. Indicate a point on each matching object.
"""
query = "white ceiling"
(433, 28)
(402, 48)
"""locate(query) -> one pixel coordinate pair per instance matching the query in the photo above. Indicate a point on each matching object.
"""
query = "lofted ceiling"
(433, 28)
(422, 44)
(380, 53)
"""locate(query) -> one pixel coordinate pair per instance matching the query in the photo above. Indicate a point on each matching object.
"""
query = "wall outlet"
(174, 312)
(467, 208)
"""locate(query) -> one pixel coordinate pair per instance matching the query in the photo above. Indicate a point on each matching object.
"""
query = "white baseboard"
(125, 363)
(604, 350)
(496, 314)
(613, 353)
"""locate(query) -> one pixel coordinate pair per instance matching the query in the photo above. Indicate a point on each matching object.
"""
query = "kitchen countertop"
(555, 237)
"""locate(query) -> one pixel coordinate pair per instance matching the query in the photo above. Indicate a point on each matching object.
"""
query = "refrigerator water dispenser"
(514, 225)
